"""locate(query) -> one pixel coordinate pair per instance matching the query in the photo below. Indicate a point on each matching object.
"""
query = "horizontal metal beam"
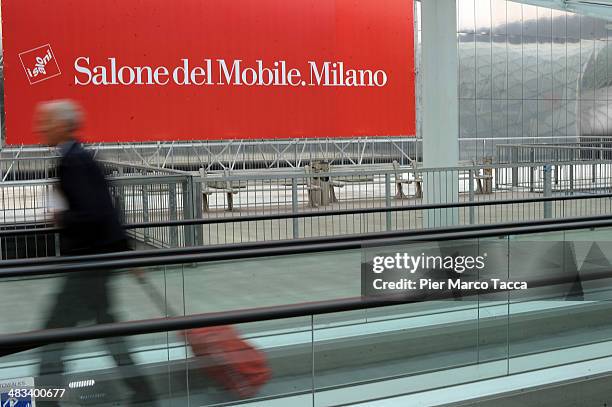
(313, 214)
(234, 247)
(302, 248)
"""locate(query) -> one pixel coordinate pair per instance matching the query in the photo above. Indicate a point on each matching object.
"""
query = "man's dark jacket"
(90, 224)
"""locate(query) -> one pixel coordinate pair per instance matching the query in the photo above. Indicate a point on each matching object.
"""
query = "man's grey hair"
(65, 110)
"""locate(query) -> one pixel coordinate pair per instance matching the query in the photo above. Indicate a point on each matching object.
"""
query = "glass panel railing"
(561, 323)
(269, 281)
(166, 369)
(406, 348)
(63, 299)
(335, 358)
(383, 357)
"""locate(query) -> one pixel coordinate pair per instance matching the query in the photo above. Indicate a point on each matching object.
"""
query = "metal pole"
(572, 177)
(471, 195)
(532, 171)
(172, 214)
(187, 210)
(388, 198)
(56, 239)
(571, 172)
(594, 167)
(145, 210)
(196, 186)
(515, 169)
(119, 198)
(547, 190)
(294, 207)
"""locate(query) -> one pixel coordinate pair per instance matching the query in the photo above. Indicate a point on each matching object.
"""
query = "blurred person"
(89, 225)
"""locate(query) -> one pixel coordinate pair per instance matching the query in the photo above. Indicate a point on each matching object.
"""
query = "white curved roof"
(595, 8)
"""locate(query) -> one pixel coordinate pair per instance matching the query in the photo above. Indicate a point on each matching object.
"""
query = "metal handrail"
(237, 175)
(234, 247)
(311, 214)
(143, 167)
(558, 146)
(381, 169)
(251, 142)
(324, 245)
(10, 159)
(21, 341)
(112, 179)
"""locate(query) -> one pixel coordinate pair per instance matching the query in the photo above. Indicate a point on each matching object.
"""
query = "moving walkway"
(300, 303)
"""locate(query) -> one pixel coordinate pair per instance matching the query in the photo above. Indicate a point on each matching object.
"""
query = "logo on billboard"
(39, 64)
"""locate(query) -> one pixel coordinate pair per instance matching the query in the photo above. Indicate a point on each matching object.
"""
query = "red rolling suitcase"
(227, 359)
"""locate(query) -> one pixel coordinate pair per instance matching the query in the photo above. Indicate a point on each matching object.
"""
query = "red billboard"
(213, 69)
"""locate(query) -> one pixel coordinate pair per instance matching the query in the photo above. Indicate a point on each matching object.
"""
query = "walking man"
(90, 225)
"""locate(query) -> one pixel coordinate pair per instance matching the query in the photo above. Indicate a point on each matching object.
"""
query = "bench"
(484, 180)
(321, 190)
(211, 186)
(400, 181)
